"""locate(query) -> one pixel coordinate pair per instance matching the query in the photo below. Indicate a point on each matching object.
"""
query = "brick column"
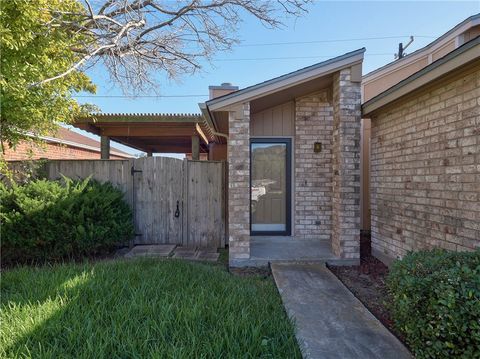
(346, 166)
(239, 185)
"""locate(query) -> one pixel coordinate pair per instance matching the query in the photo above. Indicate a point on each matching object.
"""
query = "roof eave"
(471, 21)
(462, 55)
(285, 81)
(80, 145)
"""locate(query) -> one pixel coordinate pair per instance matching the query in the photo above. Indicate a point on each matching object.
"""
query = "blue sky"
(326, 21)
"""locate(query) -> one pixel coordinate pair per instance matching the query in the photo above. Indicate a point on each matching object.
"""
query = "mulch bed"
(367, 283)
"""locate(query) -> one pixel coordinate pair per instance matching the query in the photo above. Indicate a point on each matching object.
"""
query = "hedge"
(45, 221)
(436, 302)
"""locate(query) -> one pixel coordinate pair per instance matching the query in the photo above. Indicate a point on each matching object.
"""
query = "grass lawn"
(141, 309)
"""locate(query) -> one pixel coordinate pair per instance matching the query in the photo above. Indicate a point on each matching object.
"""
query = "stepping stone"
(208, 256)
(185, 253)
(154, 250)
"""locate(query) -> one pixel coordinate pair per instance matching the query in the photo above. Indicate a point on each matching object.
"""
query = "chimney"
(223, 89)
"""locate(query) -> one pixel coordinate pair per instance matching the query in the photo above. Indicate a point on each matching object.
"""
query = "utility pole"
(401, 49)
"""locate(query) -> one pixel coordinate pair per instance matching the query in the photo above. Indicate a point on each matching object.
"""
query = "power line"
(240, 59)
(328, 41)
(295, 57)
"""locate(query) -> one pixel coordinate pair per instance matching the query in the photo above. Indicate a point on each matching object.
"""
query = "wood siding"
(274, 121)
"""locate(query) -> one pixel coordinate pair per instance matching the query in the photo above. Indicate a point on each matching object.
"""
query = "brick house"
(293, 157)
(298, 153)
(379, 80)
(425, 158)
(66, 144)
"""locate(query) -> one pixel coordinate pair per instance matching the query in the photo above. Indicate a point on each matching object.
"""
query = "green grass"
(141, 309)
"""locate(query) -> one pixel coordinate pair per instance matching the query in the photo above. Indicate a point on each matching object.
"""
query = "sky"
(331, 28)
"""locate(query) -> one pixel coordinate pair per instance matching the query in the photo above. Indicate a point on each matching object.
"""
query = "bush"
(436, 302)
(52, 220)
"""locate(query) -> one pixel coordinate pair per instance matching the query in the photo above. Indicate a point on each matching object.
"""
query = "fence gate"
(179, 202)
(157, 200)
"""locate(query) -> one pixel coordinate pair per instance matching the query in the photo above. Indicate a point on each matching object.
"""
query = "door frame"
(288, 185)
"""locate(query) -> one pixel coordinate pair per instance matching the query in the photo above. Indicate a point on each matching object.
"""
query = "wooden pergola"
(151, 133)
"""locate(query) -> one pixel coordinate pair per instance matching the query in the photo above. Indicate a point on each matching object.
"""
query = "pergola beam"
(152, 133)
(132, 131)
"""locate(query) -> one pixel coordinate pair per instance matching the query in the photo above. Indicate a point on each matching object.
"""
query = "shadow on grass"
(142, 308)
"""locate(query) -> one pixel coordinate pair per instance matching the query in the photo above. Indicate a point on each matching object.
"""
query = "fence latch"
(133, 170)
(177, 212)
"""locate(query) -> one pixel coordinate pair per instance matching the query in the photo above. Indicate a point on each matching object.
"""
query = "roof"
(140, 117)
(71, 138)
(293, 78)
(467, 53)
(149, 132)
(459, 28)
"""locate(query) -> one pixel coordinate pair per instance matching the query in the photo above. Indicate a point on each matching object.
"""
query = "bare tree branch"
(135, 39)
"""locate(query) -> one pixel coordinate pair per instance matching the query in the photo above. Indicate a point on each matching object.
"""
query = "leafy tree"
(47, 45)
(31, 51)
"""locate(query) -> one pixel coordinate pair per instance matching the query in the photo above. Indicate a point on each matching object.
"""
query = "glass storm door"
(270, 161)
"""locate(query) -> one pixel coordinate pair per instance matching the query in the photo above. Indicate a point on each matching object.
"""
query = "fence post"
(195, 148)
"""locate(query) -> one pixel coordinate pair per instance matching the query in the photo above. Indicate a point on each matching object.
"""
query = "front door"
(270, 175)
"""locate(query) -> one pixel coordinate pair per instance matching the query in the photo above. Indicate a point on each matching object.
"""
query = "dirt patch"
(367, 283)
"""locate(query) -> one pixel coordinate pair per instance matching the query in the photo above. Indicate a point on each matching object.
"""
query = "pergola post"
(104, 147)
(195, 147)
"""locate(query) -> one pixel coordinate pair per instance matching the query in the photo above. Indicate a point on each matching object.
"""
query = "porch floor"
(271, 249)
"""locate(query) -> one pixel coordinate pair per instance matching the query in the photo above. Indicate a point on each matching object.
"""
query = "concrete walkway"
(330, 321)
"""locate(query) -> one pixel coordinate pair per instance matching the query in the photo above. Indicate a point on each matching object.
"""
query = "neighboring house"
(379, 80)
(425, 157)
(64, 145)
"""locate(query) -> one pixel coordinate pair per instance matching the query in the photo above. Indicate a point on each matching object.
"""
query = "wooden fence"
(173, 201)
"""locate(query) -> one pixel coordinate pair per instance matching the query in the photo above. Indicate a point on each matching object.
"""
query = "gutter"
(469, 23)
(467, 53)
(209, 121)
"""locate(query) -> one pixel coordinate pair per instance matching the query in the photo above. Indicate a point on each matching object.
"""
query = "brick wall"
(239, 185)
(54, 151)
(346, 166)
(425, 170)
(313, 171)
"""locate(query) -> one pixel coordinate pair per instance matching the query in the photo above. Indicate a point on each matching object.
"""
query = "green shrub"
(53, 220)
(436, 302)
